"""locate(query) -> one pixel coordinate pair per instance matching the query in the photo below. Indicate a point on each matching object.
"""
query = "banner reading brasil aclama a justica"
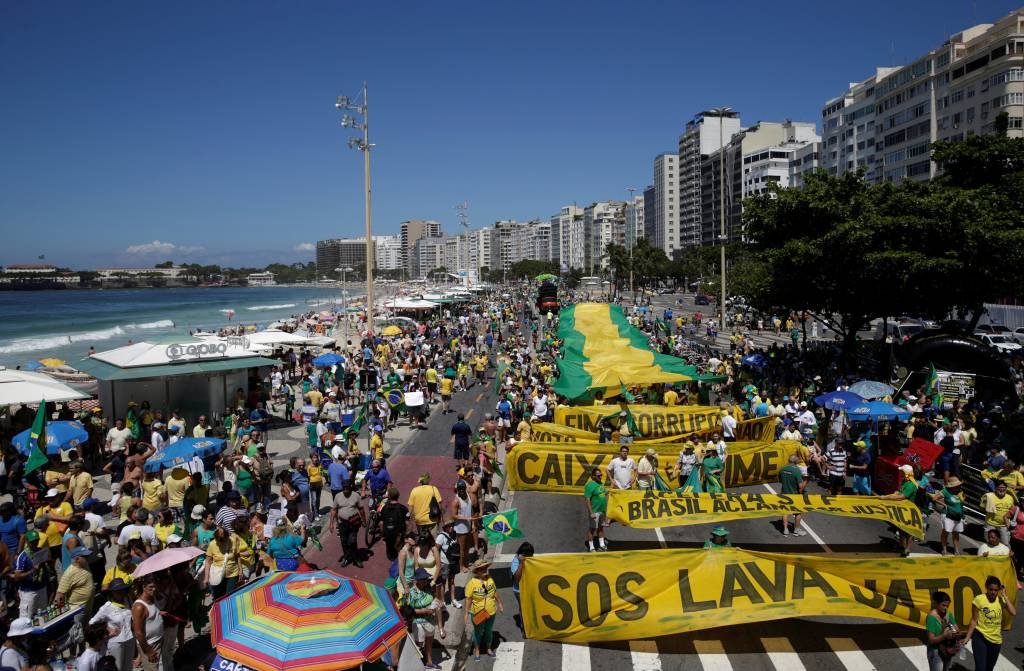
(761, 429)
(617, 596)
(565, 468)
(650, 509)
(602, 350)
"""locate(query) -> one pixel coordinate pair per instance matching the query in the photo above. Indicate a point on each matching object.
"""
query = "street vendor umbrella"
(52, 363)
(392, 330)
(181, 452)
(870, 389)
(839, 400)
(317, 621)
(877, 410)
(328, 360)
(59, 436)
(166, 559)
(546, 276)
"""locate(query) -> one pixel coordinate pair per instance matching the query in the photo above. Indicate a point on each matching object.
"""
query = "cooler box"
(347, 418)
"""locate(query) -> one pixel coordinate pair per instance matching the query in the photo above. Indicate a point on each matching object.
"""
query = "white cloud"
(163, 248)
(305, 247)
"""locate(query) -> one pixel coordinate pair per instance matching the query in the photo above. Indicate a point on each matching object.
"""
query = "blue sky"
(194, 131)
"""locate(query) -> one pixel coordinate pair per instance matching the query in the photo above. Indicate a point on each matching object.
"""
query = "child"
(96, 638)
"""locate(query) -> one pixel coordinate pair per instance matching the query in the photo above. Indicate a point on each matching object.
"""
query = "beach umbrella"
(181, 452)
(165, 559)
(28, 387)
(318, 621)
(391, 330)
(546, 276)
(52, 363)
(839, 400)
(877, 410)
(328, 360)
(870, 389)
(59, 436)
(32, 365)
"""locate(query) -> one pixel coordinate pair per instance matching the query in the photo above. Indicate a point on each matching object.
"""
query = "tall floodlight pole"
(362, 144)
(631, 204)
(722, 113)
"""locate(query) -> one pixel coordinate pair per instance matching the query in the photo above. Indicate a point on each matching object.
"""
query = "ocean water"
(64, 324)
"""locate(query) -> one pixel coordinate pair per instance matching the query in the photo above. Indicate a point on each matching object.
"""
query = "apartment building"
(704, 134)
(663, 231)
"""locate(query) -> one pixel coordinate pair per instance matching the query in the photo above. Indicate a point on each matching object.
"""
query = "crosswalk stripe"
(645, 656)
(849, 654)
(510, 656)
(575, 657)
(915, 651)
(780, 652)
(712, 656)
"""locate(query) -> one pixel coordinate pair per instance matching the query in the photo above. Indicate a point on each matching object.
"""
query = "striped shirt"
(836, 457)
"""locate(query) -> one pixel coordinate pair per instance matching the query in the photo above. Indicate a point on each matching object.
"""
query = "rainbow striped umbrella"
(317, 621)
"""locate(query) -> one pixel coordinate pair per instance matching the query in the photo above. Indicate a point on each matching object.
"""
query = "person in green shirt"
(908, 490)
(596, 498)
(719, 539)
(943, 633)
(792, 482)
(712, 468)
(953, 518)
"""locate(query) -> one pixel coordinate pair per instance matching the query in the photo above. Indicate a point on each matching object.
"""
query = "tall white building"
(663, 229)
(387, 253)
(571, 243)
(785, 163)
(704, 135)
(603, 224)
(949, 93)
(634, 220)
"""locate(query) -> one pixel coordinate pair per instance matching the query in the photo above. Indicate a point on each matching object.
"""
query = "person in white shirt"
(728, 425)
(201, 428)
(157, 439)
(621, 469)
(993, 546)
(806, 419)
(718, 445)
(540, 405)
(117, 437)
(790, 432)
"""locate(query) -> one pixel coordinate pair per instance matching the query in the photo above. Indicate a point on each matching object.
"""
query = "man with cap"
(29, 577)
(139, 528)
(117, 615)
(427, 618)
(908, 491)
(76, 586)
(952, 499)
(719, 539)
(59, 513)
(647, 469)
(686, 462)
(860, 466)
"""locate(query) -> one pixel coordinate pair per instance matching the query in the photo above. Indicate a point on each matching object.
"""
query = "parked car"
(901, 331)
(995, 329)
(1000, 342)
(701, 299)
(1018, 334)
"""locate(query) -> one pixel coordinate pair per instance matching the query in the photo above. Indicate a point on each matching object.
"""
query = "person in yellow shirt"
(446, 394)
(153, 492)
(524, 430)
(229, 553)
(985, 632)
(315, 472)
(377, 445)
(76, 586)
(176, 482)
(670, 397)
(419, 504)
(79, 483)
(59, 513)
(997, 506)
(483, 603)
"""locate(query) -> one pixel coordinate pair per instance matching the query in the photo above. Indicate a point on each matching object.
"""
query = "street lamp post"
(722, 113)
(363, 145)
(344, 300)
(629, 204)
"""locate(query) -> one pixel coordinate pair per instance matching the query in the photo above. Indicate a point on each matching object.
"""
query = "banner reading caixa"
(652, 421)
(617, 596)
(761, 429)
(652, 509)
(565, 469)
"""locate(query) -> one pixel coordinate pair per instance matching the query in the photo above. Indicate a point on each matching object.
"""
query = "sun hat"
(197, 511)
(907, 468)
(80, 552)
(953, 482)
(51, 492)
(479, 564)
(651, 452)
(21, 627)
(719, 531)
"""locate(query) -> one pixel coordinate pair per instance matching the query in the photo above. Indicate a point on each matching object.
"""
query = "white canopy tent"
(24, 387)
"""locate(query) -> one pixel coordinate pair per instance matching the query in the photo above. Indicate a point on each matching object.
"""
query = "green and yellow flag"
(502, 525)
(602, 350)
(932, 387)
(36, 437)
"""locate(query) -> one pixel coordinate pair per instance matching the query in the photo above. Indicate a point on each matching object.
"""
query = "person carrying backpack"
(448, 543)
(394, 522)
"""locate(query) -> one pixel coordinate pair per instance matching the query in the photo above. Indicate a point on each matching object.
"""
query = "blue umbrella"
(59, 436)
(839, 400)
(32, 365)
(869, 389)
(757, 360)
(877, 410)
(327, 360)
(181, 452)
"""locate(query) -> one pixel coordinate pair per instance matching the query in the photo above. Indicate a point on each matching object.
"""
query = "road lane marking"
(781, 654)
(510, 656)
(469, 414)
(849, 654)
(645, 656)
(1002, 664)
(661, 537)
(575, 657)
(803, 525)
(914, 650)
(712, 656)
(479, 396)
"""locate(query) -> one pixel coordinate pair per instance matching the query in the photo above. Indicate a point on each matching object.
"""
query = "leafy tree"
(165, 264)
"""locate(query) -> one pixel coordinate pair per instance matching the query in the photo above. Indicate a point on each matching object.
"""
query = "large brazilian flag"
(601, 350)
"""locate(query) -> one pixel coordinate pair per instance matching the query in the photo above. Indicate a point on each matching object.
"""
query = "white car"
(1001, 343)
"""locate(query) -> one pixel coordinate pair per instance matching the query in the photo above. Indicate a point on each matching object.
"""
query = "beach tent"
(18, 387)
(601, 350)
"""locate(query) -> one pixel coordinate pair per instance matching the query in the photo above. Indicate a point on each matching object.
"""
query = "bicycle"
(372, 533)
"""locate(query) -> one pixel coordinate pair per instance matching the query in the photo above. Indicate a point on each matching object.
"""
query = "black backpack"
(451, 551)
(392, 518)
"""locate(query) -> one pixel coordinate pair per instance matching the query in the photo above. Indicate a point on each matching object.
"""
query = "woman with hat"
(116, 614)
(14, 652)
(952, 499)
(719, 539)
(647, 469)
(711, 469)
(427, 618)
(482, 605)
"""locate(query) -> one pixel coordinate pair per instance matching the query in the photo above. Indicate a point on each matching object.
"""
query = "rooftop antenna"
(463, 215)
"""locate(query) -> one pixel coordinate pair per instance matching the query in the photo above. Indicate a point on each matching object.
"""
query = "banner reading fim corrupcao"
(618, 596)
(652, 509)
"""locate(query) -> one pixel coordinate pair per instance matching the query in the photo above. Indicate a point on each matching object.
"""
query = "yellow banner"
(618, 596)
(761, 429)
(652, 509)
(565, 468)
(653, 421)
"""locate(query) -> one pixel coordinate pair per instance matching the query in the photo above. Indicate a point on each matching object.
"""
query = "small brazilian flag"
(503, 525)
(395, 398)
(36, 437)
